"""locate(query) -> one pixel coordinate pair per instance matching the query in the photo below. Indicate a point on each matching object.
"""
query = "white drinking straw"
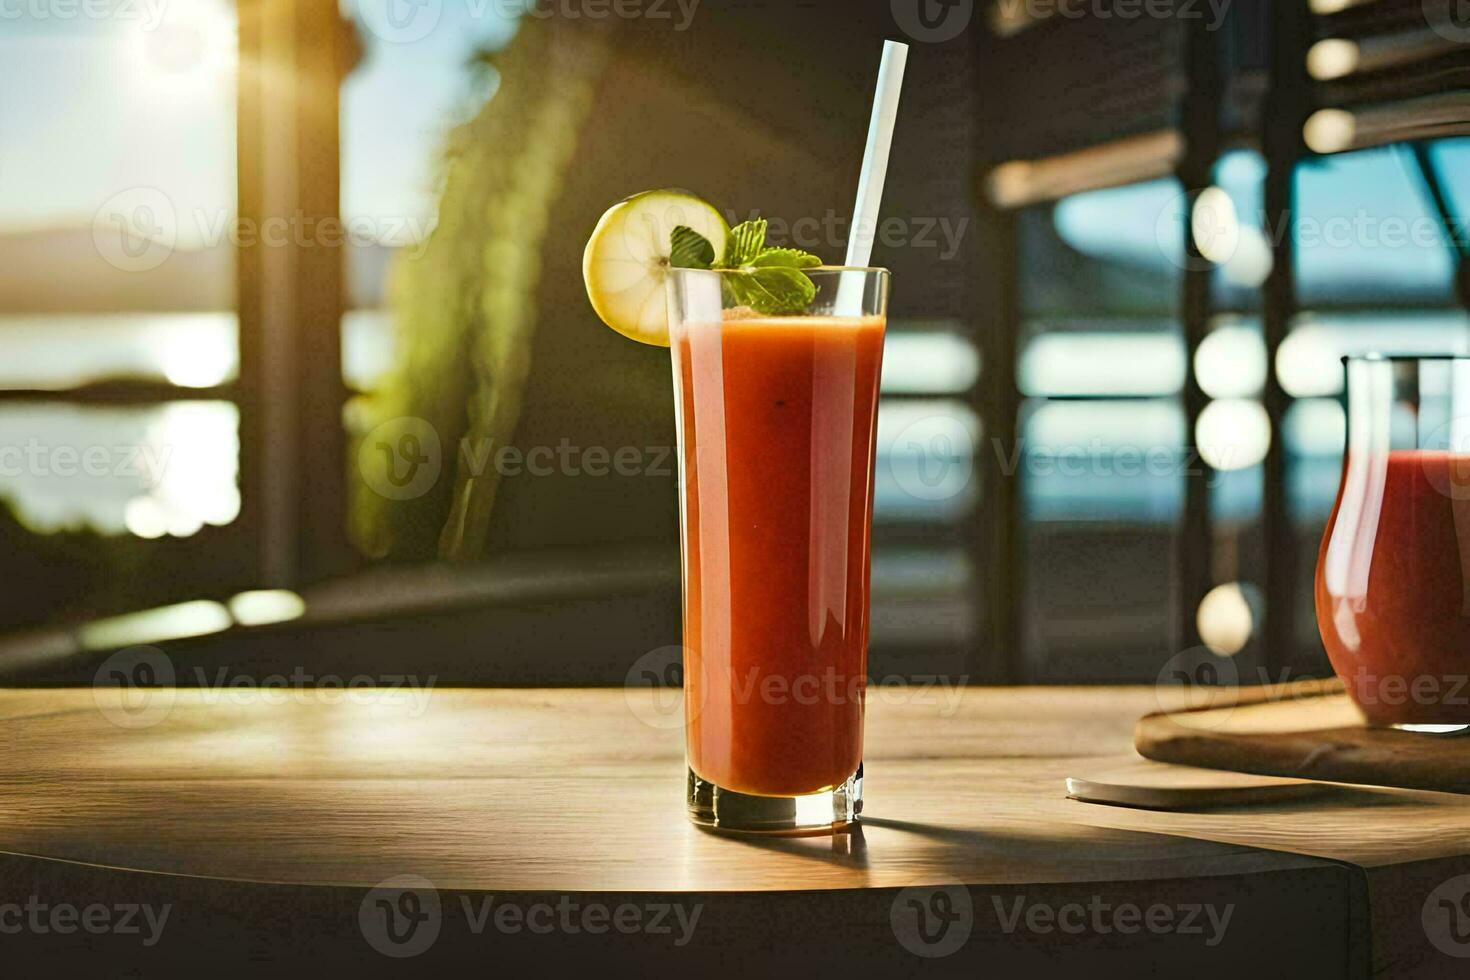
(875, 156)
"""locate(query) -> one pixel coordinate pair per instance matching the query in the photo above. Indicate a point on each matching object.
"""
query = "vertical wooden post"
(1200, 121)
(1283, 115)
(1001, 573)
(290, 273)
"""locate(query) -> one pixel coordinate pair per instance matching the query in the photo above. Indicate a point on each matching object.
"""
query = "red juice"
(777, 416)
(1393, 585)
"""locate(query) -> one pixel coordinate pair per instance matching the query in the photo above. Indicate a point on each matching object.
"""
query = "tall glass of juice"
(776, 419)
(1393, 570)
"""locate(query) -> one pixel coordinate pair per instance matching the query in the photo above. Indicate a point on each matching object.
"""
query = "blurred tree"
(500, 346)
(465, 306)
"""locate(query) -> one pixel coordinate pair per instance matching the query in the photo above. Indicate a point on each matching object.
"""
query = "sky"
(141, 94)
(1359, 217)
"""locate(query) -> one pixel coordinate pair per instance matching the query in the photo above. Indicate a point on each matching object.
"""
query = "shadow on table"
(1042, 843)
(848, 849)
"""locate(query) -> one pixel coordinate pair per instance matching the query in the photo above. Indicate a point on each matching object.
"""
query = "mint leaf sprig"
(771, 280)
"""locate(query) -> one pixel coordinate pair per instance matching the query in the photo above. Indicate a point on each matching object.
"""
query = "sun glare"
(191, 50)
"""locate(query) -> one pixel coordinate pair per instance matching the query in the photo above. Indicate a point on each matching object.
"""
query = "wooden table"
(264, 819)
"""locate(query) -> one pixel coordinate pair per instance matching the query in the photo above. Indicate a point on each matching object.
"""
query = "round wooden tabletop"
(579, 792)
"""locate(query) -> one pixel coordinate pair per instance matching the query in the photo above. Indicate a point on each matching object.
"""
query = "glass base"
(1433, 729)
(831, 811)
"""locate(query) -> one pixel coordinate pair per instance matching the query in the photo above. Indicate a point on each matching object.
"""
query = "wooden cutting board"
(1147, 785)
(1306, 730)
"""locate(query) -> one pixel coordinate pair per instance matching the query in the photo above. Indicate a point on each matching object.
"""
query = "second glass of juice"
(1393, 570)
(777, 422)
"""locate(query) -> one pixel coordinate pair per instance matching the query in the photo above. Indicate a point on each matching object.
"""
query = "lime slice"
(627, 259)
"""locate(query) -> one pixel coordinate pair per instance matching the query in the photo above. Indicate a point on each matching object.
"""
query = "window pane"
(105, 104)
(1101, 478)
(118, 234)
(155, 471)
(1102, 361)
(1367, 234)
(1101, 461)
(122, 198)
(925, 470)
(193, 350)
(928, 359)
(1228, 222)
(1102, 253)
(398, 105)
